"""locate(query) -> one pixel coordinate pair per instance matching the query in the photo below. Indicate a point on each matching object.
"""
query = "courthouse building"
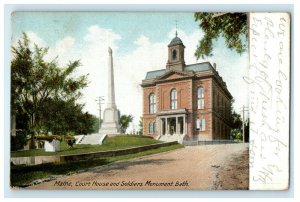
(189, 102)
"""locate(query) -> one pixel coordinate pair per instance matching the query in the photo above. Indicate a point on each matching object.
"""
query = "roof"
(198, 67)
(194, 67)
(175, 41)
(154, 74)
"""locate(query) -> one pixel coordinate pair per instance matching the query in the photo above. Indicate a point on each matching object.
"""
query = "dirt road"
(196, 167)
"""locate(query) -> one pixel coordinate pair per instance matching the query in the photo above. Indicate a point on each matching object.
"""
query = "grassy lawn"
(24, 175)
(111, 143)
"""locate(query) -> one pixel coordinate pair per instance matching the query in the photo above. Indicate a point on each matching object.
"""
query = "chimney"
(215, 66)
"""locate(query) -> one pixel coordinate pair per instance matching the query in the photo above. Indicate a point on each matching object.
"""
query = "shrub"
(19, 141)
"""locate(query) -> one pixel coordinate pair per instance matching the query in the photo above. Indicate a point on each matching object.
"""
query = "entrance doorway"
(173, 126)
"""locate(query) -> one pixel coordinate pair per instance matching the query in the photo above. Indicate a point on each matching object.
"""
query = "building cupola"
(176, 54)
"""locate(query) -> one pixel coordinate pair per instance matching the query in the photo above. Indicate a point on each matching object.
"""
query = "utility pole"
(99, 101)
(243, 124)
(243, 119)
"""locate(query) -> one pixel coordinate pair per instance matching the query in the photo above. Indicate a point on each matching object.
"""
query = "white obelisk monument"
(110, 125)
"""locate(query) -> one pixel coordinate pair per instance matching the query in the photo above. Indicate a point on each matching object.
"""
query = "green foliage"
(64, 117)
(236, 132)
(141, 126)
(48, 137)
(125, 120)
(128, 140)
(237, 122)
(237, 128)
(34, 81)
(247, 128)
(231, 26)
(88, 124)
(19, 141)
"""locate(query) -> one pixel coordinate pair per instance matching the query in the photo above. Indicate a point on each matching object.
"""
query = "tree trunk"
(32, 131)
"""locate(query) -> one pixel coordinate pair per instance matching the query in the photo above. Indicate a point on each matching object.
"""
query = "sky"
(139, 42)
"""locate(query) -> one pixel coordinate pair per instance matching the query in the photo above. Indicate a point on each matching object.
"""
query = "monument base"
(110, 125)
(110, 129)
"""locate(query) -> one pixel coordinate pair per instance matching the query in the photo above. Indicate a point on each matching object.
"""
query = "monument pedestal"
(110, 125)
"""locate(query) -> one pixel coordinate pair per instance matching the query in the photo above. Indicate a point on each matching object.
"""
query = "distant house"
(185, 101)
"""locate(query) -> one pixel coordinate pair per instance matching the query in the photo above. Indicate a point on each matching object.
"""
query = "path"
(195, 167)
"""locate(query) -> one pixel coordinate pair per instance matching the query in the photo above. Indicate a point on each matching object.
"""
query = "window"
(174, 55)
(152, 103)
(173, 99)
(200, 96)
(200, 124)
(152, 128)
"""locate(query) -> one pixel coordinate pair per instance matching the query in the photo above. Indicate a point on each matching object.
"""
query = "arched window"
(200, 97)
(174, 54)
(152, 103)
(173, 99)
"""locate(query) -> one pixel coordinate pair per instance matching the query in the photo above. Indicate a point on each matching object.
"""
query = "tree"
(125, 120)
(141, 126)
(88, 123)
(231, 26)
(247, 128)
(34, 80)
(236, 132)
(64, 117)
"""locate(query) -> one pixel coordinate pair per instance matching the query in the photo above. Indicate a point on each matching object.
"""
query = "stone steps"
(93, 139)
(171, 138)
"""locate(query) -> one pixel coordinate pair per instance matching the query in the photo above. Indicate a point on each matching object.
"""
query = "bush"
(48, 138)
(19, 141)
(236, 135)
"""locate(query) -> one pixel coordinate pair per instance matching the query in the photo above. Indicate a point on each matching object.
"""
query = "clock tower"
(176, 54)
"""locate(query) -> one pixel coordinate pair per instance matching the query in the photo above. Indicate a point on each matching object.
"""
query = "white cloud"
(98, 36)
(64, 51)
(35, 39)
(65, 44)
(142, 41)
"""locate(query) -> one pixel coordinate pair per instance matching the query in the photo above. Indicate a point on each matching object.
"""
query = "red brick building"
(185, 101)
